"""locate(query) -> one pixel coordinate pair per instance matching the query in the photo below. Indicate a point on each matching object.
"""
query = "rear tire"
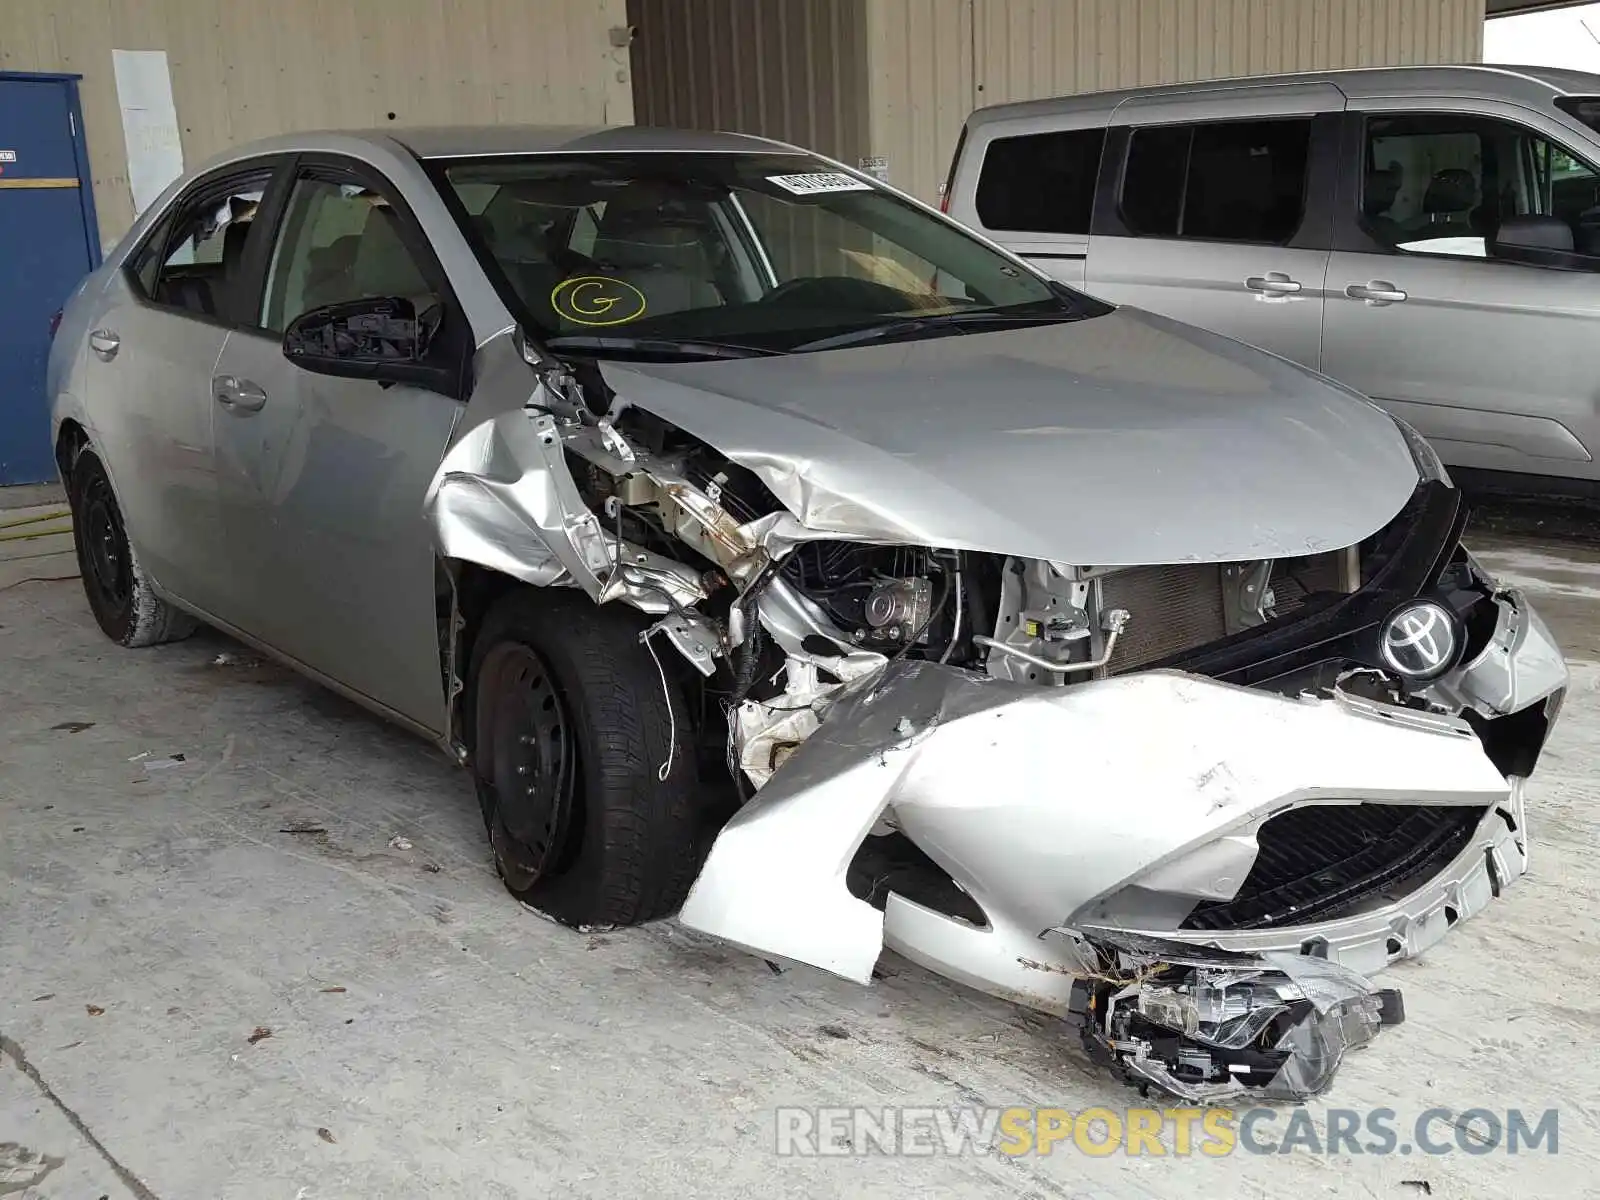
(120, 594)
(570, 730)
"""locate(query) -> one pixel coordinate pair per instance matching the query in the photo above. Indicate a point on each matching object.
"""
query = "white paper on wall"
(149, 123)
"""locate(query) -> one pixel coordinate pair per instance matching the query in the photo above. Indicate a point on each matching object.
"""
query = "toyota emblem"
(1420, 641)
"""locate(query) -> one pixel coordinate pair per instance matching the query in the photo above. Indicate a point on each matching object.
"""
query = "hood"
(1119, 440)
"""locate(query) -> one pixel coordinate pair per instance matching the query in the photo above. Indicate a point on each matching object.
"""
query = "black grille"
(1319, 862)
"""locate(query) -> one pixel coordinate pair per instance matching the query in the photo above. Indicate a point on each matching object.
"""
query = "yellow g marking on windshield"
(597, 300)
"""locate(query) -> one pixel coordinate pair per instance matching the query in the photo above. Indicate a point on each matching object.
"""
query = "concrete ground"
(224, 977)
(35, 535)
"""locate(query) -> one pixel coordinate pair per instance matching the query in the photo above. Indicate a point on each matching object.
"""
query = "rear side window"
(194, 259)
(1040, 182)
(1235, 181)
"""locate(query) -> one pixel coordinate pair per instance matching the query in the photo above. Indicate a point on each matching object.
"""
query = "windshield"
(771, 252)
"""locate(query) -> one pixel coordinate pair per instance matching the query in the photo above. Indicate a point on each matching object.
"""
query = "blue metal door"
(48, 242)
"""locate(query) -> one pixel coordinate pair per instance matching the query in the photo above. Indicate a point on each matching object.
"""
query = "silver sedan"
(769, 547)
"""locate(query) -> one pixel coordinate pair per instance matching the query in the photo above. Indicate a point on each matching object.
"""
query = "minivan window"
(1232, 181)
(1441, 183)
(1040, 182)
(1585, 108)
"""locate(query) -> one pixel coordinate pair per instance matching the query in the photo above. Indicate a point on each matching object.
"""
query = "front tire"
(120, 594)
(571, 729)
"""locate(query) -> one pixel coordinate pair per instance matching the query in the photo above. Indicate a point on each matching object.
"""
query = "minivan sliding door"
(1218, 212)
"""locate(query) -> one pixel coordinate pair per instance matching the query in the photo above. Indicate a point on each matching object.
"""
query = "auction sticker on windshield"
(822, 181)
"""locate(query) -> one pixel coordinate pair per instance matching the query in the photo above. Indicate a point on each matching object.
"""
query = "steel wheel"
(532, 763)
(103, 547)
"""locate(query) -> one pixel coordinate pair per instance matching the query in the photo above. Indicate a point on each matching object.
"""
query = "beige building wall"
(242, 70)
(931, 62)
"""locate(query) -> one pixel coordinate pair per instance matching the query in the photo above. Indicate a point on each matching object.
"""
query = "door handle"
(1376, 292)
(105, 344)
(1273, 283)
(238, 395)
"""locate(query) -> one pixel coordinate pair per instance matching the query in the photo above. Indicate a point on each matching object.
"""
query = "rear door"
(154, 339)
(1497, 363)
(322, 478)
(47, 244)
(1030, 186)
(1217, 211)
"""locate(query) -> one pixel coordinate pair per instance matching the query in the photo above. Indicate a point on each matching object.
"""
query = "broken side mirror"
(383, 339)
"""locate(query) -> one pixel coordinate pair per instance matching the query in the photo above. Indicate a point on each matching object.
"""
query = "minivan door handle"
(239, 395)
(1376, 292)
(1273, 283)
(105, 344)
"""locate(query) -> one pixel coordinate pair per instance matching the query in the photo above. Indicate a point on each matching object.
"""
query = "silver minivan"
(1429, 236)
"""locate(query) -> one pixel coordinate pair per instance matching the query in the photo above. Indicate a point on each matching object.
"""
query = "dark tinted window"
(1236, 181)
(1585, 108)
(1152, 185)
(1040, 183)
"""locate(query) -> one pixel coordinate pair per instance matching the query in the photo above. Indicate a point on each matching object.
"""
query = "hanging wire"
(666, 692)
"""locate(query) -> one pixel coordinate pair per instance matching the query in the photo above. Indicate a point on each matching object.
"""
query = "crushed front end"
(1005, 766)
(1256, 775)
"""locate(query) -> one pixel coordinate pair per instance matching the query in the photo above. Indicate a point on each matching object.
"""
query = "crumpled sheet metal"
(1038, 802)
(504, 498)
(824, 498)
(1212, 1027)
(1520, 665)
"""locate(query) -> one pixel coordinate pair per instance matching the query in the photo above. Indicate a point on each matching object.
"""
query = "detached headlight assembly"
(1424, 455)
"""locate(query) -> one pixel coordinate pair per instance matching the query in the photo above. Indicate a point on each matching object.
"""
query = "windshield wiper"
(910, 325)
(675, 347)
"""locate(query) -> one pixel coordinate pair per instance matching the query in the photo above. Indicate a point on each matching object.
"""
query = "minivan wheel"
(119, 592)
(570, 730)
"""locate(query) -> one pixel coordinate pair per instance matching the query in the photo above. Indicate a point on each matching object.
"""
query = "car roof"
(466, 141)
(1531, 85)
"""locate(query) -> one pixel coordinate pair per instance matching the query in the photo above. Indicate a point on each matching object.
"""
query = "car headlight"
(1424, 455)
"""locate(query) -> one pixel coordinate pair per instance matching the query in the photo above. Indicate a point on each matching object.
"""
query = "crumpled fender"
(504, 498)
(1039, 801)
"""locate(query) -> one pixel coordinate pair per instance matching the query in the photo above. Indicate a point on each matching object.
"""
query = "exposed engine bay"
(1004, 767)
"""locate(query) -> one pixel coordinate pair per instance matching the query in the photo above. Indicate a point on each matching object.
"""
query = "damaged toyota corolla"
(770, 547)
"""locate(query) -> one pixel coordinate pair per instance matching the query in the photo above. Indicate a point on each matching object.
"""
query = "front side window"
(1040, 182)
(1446, 183)
(340, 241)
(769, 251)
(1233, 181)
(194, 259)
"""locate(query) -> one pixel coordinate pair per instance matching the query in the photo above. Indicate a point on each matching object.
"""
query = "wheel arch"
(469, 591)
(71, 438)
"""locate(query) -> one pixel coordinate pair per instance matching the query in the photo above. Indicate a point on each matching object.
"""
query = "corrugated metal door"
(45, 249)
(795, 70)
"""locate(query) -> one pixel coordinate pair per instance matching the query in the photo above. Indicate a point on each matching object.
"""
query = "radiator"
(1178, 608)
